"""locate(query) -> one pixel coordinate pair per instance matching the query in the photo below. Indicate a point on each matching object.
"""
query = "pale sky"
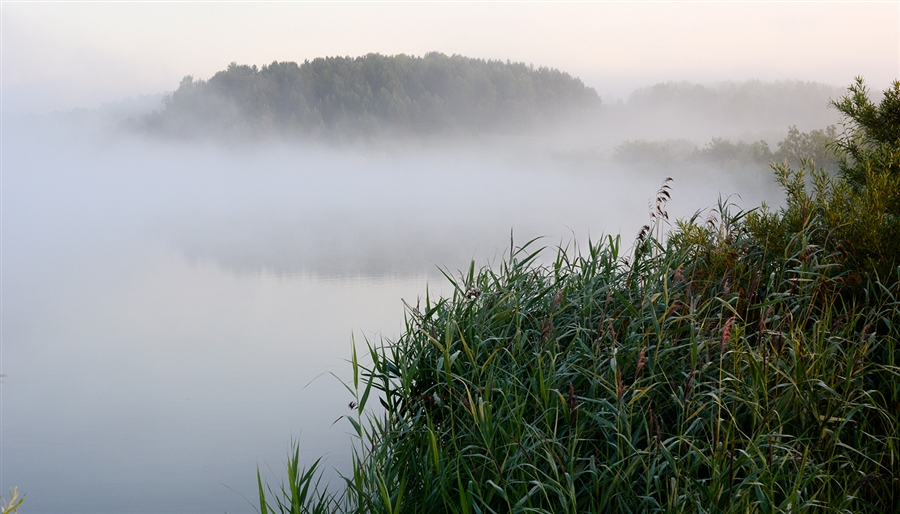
(62, 55)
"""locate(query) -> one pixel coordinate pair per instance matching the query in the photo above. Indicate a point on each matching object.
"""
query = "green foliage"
(708, 377)
(815, 145)
(870, 142)
(711, 376)
(722, 152)
(302, 493)
(855, 215)
(721, 370)
(352, 97)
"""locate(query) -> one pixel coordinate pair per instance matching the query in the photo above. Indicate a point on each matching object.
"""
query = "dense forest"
(351, 97)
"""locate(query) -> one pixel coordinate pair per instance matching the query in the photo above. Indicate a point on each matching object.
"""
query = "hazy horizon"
(172, 310)
(61, 56)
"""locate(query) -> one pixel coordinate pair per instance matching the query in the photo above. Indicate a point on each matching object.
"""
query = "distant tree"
(718, 152)
(816, 145)
(723, 152)
(361, 96)
(643, 153)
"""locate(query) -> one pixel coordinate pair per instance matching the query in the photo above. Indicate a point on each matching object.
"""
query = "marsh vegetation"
(168, 296)
(738, 360)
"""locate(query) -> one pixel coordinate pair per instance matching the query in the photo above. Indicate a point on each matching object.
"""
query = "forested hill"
(351, 97)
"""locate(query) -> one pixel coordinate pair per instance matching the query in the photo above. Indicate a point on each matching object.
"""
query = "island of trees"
(356, 97)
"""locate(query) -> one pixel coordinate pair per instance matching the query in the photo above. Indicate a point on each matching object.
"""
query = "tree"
(855, 215)
(870, 143)
(817, 145)
(362, 96)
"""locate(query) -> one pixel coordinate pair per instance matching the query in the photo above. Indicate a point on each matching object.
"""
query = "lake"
(174, 314)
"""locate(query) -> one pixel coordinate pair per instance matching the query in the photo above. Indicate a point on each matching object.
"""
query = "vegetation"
(15, 501)
(857, 214)
(750, 362)
(351, 97)
(815, 145)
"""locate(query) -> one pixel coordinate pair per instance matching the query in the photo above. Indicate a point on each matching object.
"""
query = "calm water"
(172, 314)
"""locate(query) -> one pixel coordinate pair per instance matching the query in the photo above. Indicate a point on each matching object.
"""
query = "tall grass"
(750, 362)
(703, 374)
(12, 505)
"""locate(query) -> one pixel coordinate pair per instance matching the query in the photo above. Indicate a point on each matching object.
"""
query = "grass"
(12, 505)
(706, 375)
(749, 362)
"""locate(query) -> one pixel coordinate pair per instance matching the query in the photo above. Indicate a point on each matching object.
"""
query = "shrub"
(856, 214)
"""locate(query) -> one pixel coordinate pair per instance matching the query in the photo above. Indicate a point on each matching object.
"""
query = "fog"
(380, 208)
(61, 55)
(173, 309)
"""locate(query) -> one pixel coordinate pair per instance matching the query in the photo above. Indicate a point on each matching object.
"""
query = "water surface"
(173, 314)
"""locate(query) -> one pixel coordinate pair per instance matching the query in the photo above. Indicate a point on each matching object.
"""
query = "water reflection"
(172, 314)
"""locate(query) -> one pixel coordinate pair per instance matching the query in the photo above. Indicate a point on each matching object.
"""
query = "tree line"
(352, 97)
(815, 145)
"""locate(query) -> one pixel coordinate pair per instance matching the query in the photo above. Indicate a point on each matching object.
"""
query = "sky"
(65, 55)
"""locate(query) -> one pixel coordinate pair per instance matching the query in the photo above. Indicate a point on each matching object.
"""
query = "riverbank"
(748, 361)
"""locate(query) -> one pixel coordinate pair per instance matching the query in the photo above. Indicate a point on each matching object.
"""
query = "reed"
(748, 362)
(12, 505)
(708, 375)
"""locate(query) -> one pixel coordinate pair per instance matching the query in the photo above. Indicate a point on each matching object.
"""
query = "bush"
(856, 214)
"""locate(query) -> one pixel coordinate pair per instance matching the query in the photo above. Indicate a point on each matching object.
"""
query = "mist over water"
(172, 310)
